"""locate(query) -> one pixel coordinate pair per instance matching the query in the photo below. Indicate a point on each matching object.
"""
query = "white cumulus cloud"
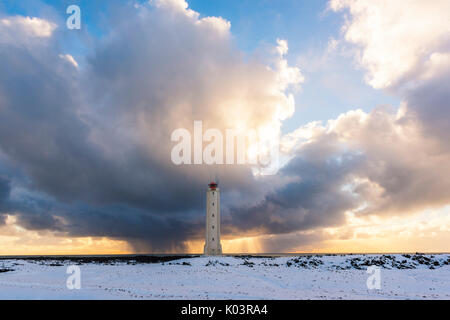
(398, 39)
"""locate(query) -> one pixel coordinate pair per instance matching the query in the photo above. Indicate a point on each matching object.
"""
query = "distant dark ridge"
(294, 254)
(101, 259)
(319, 255)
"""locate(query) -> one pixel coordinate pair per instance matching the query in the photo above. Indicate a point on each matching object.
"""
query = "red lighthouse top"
(213, 185)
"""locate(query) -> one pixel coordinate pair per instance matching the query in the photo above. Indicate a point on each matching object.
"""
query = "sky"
(354, 92)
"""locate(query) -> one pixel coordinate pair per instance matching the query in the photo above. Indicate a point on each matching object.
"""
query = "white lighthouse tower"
(212, 240)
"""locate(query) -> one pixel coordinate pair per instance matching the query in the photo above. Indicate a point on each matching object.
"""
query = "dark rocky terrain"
(330, 261)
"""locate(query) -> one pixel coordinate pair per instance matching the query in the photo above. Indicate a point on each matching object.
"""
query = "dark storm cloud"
(5, 189)
(291, 242)
(41, 131)
(94, 146)
(315, 200)
(43, 134)
(431, 103)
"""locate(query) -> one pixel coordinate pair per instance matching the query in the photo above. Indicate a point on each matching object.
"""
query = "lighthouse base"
(209, 251)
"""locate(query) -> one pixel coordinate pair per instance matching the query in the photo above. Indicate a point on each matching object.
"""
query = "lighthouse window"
(213, 215)
(212, 239)
(213, 204)
(213, 192)
(213, 227)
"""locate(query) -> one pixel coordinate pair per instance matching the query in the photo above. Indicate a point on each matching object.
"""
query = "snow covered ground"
(305, 277)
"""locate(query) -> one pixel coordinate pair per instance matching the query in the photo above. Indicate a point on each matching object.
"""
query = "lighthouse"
(212, 240)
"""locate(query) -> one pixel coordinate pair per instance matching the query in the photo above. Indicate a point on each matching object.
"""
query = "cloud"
(315, 199)
(69, 59)
(5, 189)
(384, 163)
(93, 143)
(405, 48)
(290, 242)
(19, 28)
(398, 39)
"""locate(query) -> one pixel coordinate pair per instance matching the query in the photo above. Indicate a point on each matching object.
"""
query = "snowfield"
(415, 276)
